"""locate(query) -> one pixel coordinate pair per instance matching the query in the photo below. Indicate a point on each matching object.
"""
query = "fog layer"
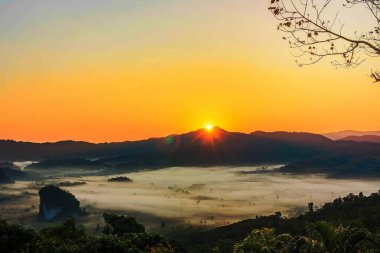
(207, 196)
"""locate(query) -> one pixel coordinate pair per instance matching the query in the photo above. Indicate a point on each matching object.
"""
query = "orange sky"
(124, 70)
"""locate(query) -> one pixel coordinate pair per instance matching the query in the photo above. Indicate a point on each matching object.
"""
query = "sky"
(117, 70)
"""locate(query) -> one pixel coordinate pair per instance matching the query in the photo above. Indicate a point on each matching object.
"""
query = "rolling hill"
(197, 147)
(364, 138)
(205, 148)
(343, 134)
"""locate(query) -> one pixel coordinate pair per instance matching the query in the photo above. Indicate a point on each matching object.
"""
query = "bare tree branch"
(312, 36)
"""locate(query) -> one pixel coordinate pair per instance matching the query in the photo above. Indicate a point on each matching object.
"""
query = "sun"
(209, 127)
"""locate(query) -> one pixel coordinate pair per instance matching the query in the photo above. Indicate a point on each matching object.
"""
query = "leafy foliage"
(322, 237)
(354, 217)
(16, 238)
(120, 225)
(125, 236)
(350, 224)
(263, 241)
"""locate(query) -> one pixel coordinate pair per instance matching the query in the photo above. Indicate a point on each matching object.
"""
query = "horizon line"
(175, 134)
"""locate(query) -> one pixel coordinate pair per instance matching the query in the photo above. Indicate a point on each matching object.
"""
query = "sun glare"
(209, 127)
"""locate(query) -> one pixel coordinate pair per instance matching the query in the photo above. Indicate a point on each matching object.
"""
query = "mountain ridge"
(19, 150)
(203, 147)
(345, 133)
(363, 138)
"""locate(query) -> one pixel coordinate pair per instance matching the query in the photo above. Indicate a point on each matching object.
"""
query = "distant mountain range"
(206, 148)
(197, 147)
(343, 134)
(364, 138)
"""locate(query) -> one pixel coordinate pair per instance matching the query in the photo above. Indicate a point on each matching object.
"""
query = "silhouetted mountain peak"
(215, 129)
(293, 136)
(201, 147)
(219, 129)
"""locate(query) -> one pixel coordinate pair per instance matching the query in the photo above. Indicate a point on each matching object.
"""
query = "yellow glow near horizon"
(165, 67)
(209, 127)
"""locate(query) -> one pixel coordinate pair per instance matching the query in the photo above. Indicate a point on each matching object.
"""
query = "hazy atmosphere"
(189, 126)
(197, 196)
(124, 70)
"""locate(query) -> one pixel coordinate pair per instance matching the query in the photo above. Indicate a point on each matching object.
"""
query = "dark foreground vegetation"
(120, 234)
(350, 224)
(321, 237)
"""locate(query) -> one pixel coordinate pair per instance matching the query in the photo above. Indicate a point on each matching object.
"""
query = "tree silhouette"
(120, 224)
(310, 207)
(314, 34)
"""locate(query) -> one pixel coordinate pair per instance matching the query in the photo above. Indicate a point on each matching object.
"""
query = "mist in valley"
(207, 197)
